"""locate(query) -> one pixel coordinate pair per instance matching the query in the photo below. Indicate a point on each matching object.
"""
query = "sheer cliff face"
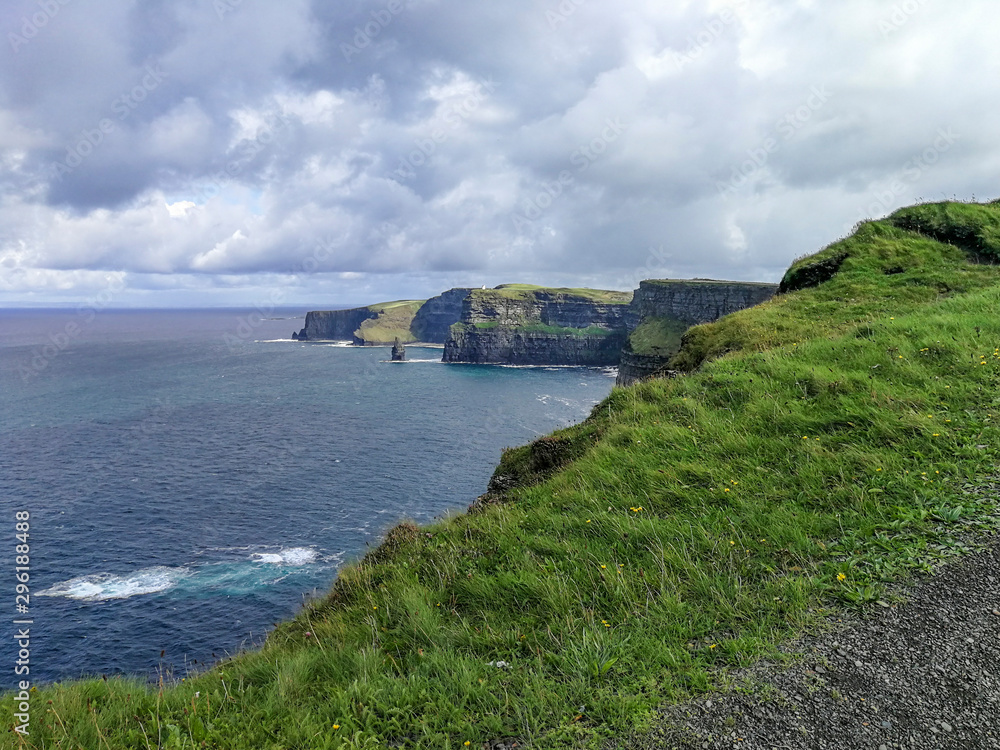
(540, 326)
(546, 307)
(524, 347)
(666, 305)
(336, 325)
(435, 318)
(697, 301)
(520, 324)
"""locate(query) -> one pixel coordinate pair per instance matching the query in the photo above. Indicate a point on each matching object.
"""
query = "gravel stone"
(923, 674)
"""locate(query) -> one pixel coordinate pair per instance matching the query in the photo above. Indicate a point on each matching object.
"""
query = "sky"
(158, 153)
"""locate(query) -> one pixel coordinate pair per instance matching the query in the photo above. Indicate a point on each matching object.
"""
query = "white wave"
(103, 586)
(288, 556)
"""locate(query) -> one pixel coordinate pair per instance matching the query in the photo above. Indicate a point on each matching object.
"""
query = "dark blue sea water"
(193, 475)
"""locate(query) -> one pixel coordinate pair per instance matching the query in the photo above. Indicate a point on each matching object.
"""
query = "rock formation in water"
(398, 351)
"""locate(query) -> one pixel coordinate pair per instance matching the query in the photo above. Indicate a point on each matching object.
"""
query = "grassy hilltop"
(824, 443)
(529, 291)
(393, 321)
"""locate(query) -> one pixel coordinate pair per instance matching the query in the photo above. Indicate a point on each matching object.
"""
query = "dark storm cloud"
(388, 144)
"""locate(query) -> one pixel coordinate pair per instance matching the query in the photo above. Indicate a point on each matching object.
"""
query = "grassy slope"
(823, 446)
(393, 321)
(657, 337)
(524, 291)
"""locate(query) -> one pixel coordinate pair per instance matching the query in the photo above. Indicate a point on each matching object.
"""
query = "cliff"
(697, 300)
(334, 325)
(436, 316)
(522, 324)
(653, 552)
(374, 325)
(525, 324)
(665, 308)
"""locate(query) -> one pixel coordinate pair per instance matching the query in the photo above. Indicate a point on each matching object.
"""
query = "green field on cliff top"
(823, 444)
(527, 291)
(393, 321)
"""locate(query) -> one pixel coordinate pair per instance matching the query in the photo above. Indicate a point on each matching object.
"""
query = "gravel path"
(924, 673)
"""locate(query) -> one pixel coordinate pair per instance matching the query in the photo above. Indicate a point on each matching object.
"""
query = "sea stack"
(398, 351)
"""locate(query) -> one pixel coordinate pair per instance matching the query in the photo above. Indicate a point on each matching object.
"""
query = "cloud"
(391, 145)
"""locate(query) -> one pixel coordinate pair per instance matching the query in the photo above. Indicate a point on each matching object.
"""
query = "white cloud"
(472, 144)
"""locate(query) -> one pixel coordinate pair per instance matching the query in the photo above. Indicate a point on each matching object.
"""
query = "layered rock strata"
(537, 326)
(671, 305)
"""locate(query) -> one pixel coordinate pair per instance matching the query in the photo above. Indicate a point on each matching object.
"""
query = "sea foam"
(288, 556)
(103, 586)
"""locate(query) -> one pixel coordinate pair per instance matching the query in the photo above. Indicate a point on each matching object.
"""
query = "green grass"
(542, 328)
(824, 444)
(526, 291)
(393, 321)
(657, 337)
(563, 331)
(665, 282)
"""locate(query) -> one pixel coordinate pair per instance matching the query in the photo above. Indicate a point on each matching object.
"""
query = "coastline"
(816, 452)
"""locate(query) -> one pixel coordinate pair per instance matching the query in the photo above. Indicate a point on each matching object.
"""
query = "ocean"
(193, 476)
